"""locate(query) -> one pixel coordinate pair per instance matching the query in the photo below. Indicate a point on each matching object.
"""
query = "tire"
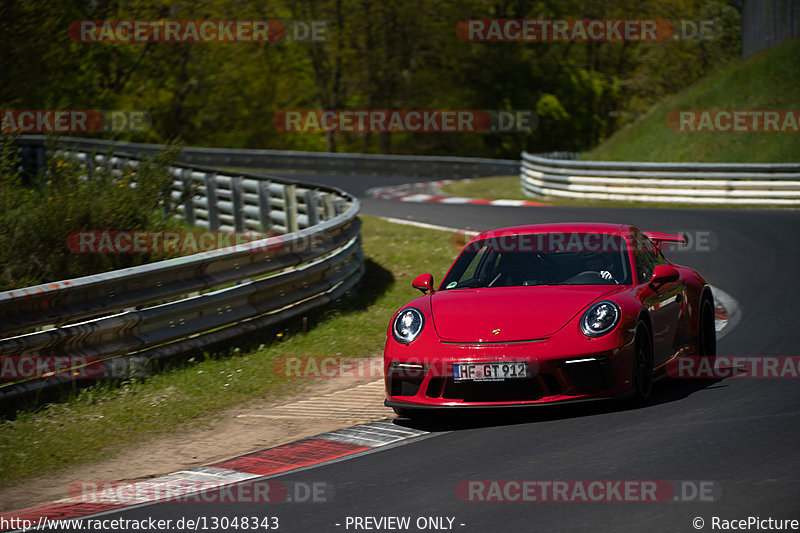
(642, 363)
(706, 330)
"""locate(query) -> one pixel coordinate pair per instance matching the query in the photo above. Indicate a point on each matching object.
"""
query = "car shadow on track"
(664, 391)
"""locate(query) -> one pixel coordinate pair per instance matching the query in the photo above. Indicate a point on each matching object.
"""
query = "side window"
(483, 264)
(660, 260)
(646, 256)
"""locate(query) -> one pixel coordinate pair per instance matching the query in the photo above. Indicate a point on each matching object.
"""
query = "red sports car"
(547, 313)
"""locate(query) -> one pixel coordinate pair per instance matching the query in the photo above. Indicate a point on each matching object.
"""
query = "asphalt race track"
(741, 434)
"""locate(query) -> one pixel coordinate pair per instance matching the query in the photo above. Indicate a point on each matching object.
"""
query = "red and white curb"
(305, 453)
(430, 191)
(727, 312)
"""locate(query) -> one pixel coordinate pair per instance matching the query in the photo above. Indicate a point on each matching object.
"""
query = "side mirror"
(424, 283)
(663, 274)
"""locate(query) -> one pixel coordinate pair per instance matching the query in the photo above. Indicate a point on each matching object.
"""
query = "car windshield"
(541, 259)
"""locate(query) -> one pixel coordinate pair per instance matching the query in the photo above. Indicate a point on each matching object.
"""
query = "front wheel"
(642, 363)
(707, 330)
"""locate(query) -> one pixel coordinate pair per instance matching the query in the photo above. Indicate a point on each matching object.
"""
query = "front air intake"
(590, 374)
(405, 379)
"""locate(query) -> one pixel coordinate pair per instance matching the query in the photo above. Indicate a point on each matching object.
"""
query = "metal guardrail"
(344, 163)
(687, 183)
(157, 310)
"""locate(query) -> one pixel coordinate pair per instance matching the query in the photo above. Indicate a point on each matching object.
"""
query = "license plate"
(489, 371)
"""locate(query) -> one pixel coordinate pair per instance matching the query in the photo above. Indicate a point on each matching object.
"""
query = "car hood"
(519, 313)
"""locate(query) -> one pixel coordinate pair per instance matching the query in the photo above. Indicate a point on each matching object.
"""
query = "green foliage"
(726, 41)
(738, 85)
(37, 218)
(549, 106)
(378, 55)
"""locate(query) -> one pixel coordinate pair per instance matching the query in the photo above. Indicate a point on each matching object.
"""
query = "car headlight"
(600, 318)
(408, 325)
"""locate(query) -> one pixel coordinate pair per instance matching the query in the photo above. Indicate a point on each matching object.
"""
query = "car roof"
(602, 228)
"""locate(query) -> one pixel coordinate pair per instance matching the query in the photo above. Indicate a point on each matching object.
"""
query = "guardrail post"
(32, 159)
(264, 205)
(339, 206)
(312, 207)
(188, 206)
(238, 203)
(211, 201)
(327, 206)
(290, 206)
(166, 200)
(90, 163)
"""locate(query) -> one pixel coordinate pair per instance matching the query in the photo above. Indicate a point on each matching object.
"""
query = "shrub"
(38, 213)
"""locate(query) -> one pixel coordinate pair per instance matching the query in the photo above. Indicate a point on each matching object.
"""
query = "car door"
(665, 304)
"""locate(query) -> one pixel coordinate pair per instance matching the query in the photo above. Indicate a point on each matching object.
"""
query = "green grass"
(99, 422)
(499, 187)
(769, 80)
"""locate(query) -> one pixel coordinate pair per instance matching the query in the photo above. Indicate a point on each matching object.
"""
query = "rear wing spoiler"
(659, 238)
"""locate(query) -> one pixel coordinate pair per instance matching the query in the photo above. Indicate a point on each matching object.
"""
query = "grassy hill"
(769, 80)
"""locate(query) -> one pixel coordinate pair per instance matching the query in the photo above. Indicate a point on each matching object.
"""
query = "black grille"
(404, 386)
(552, 384)
(493, 391)
(434, 389)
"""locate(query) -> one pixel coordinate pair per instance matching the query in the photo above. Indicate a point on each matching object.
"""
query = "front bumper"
(554, 375)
